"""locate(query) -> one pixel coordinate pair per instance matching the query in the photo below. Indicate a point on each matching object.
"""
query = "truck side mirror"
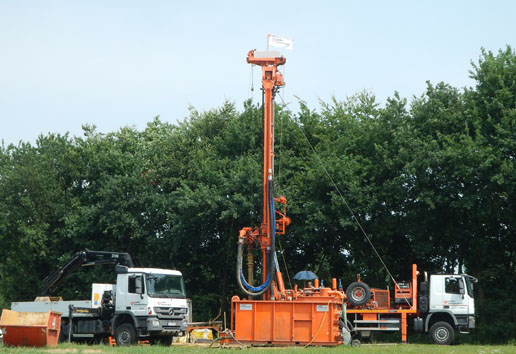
(138, 282)
(461, 288)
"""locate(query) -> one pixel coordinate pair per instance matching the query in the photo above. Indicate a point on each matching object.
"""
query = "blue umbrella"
(305, 275)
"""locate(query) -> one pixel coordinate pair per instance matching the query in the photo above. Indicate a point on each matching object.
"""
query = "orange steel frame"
(293, 316)
(404, 312)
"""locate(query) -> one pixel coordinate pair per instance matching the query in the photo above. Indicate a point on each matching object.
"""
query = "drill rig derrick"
(281, 316)
(273, 222)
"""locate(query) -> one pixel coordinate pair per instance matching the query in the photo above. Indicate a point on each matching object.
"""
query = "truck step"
(376, 321)
(377, 328)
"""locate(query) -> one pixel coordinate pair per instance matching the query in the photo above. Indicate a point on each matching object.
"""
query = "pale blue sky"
(117, 63)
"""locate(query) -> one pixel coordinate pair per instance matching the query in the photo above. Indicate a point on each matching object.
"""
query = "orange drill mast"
(273, 221)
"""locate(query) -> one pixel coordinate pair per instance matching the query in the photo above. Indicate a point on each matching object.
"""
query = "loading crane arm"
(82, 259)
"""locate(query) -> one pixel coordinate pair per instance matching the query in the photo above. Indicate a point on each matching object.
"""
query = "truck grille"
(171, 312)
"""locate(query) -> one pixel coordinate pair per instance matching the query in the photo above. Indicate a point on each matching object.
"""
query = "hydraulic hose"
(271, 256)
(247, 288)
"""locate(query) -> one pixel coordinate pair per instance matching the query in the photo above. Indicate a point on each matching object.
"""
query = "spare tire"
(358, 293)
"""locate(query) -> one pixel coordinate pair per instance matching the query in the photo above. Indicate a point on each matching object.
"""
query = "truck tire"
(355, 343)
(125, 334)
(442, 333)
(358, 293)
(63, 334)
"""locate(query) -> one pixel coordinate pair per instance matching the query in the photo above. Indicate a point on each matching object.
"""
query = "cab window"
(451, 285)
(134, 282)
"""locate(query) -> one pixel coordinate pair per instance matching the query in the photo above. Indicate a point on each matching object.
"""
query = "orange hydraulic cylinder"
(281, 284)
(275, 291)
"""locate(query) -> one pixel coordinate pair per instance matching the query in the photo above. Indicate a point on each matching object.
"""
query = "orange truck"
(440, 304)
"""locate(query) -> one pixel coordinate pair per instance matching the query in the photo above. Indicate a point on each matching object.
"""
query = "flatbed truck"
(144, 304)
(440, 305)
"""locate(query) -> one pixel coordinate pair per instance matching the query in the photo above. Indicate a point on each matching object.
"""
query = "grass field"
(179, 349)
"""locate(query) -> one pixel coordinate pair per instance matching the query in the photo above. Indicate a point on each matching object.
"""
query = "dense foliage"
(431, 181)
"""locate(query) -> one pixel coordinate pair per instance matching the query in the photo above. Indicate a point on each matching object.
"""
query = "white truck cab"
(450, 306)
(152, 296)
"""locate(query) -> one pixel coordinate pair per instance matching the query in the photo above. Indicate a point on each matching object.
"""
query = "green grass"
(371, 348)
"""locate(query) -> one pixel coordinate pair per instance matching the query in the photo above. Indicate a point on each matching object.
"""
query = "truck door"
(454, 296)
(135, 299)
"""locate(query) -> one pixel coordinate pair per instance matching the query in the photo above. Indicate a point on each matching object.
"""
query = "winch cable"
(348, 207)
(351, 211)
(251, 84)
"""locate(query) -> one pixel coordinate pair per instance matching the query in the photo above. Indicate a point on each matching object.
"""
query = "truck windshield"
(165, 285)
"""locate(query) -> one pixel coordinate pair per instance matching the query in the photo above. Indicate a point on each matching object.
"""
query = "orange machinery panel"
(33, 329)
(381, 298)
(286, 322)
(403, 293)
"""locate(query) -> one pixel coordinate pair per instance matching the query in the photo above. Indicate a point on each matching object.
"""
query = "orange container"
(33, 329)
(286, 322)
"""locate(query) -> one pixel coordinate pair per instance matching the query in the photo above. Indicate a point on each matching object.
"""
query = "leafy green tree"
(431, 182)
(32, 210)
(492, 255)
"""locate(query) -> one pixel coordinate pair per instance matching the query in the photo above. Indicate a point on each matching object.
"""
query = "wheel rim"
(442, 334)
(358, 294)
(124, 337)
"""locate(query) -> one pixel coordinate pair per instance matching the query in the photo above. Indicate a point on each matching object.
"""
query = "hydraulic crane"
(83, 259)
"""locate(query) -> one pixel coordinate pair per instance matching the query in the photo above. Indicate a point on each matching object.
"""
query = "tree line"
(432, 181)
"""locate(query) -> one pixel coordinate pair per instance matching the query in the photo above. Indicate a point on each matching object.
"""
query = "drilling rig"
(272, 315)
(282, 316)
(274, 221)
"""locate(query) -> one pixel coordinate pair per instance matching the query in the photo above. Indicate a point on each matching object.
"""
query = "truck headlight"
(155, 323)
(471, 322)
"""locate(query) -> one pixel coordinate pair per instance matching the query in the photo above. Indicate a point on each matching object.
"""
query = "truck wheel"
(63, 334)
(358, 293)
(442, 333)
(125, 334)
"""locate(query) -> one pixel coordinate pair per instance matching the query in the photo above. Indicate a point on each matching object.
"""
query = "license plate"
(171, 324)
